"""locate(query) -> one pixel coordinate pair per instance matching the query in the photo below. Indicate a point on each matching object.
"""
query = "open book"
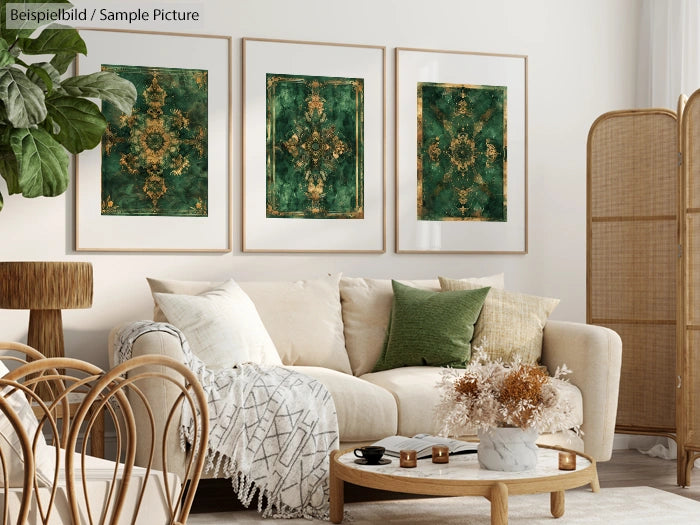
(423, 445)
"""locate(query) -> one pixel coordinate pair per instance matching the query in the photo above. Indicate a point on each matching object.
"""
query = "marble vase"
(509, 449)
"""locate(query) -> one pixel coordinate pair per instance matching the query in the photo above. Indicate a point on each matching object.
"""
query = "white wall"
(581, 64)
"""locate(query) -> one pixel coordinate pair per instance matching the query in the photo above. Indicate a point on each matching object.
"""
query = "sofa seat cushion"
(366, 412)
(416, 393)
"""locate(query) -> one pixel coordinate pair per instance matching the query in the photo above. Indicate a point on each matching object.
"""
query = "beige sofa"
(333, 329)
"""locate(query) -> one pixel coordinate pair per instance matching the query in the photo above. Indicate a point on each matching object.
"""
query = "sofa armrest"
(162, 396)
(594, 355)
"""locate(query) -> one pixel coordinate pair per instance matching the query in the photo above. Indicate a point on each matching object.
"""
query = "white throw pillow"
(221, 325)
(11, 444)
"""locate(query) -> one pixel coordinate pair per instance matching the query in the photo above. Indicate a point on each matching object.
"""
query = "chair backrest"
(84, 489)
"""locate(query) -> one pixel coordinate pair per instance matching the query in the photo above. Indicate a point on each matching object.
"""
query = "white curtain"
(669, 52)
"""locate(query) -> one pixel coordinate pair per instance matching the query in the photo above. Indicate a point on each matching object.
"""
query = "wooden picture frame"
(298, 96)
(461, 152)
(198, 217)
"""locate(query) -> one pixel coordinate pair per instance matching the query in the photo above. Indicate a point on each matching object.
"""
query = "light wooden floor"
(627, 468)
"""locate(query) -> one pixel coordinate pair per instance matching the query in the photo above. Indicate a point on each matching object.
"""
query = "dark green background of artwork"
(287, 100)
(184, 191)
(439, 180)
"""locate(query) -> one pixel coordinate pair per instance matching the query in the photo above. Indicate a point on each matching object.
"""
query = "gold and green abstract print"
(154, 161)
(315, 147)
(461, 152)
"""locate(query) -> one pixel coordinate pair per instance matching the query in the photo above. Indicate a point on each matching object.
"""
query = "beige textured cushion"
(417, 395)
(366, 312)
(222, 326)
(510, 323)
(365, 411)
(303, 318)
(11, 444)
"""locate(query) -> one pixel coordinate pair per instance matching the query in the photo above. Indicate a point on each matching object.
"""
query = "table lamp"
(45, 288)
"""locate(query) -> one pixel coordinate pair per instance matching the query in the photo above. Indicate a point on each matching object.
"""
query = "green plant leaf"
(26, 28)
(1, 202)
(52, 40)
(61, 61)
(44, 75)
(9, 171)
(42, 163)
(6, 57)
(105, 85)
(81, 122)
(23, 99)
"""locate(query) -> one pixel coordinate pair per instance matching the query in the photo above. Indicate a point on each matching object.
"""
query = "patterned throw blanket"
(271, 429)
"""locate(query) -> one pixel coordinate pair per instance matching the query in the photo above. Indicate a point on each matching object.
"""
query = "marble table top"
(466, 467)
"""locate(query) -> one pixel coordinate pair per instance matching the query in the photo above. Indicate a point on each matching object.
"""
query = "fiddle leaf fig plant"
(43, 116)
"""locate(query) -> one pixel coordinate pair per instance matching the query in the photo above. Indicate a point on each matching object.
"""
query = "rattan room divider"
(643, 265)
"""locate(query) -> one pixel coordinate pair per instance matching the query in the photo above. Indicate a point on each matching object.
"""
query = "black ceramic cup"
(372, 454)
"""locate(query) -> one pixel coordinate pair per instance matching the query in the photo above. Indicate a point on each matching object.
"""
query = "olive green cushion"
(429, 328)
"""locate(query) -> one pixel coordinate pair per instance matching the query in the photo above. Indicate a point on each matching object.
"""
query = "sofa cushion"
(366, 311)
(510, 323)
(430, 328)
(222, 326)
(416, 392)
(366, 412)
(303, 318)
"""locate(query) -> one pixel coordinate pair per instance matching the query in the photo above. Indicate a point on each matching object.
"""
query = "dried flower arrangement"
(495, 394)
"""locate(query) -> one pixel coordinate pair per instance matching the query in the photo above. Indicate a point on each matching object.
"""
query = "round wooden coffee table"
(462, 476)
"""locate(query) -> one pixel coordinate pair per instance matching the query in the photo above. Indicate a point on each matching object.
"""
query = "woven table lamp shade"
(45, 288)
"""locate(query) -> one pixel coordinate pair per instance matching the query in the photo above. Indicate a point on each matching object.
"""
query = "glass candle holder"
(567, 461)
(407, 458)
(441, 454)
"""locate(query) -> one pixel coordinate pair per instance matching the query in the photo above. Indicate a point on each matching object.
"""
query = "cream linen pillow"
(221, 325)
(11, 444)
(178, 287)
(304, 320)
(510, 323)
(366, 311)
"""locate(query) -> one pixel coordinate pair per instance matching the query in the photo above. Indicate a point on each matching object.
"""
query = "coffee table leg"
(337, 494)
(499, 504)
(595, 484)
(556, 503)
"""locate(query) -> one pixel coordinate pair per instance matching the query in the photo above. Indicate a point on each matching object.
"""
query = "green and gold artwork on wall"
(462, 152)
(315, 147)
(154, 161)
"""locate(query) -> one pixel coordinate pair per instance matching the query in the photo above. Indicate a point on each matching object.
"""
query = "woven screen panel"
(633, 271)
(692, 152)
(628, 163)
(692, 374)
(632, 256)
(691, 162)
(655, 347)
(692, 278)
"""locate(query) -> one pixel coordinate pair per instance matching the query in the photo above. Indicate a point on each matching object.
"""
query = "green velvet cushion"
(430, 328)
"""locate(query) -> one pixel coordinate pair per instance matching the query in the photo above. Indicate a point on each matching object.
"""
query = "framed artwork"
(461, 152)
(313, 147)
(161, 178)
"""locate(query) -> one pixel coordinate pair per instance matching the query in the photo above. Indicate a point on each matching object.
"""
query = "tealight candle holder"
(441, 454)
(407, 458)
(567, 461)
